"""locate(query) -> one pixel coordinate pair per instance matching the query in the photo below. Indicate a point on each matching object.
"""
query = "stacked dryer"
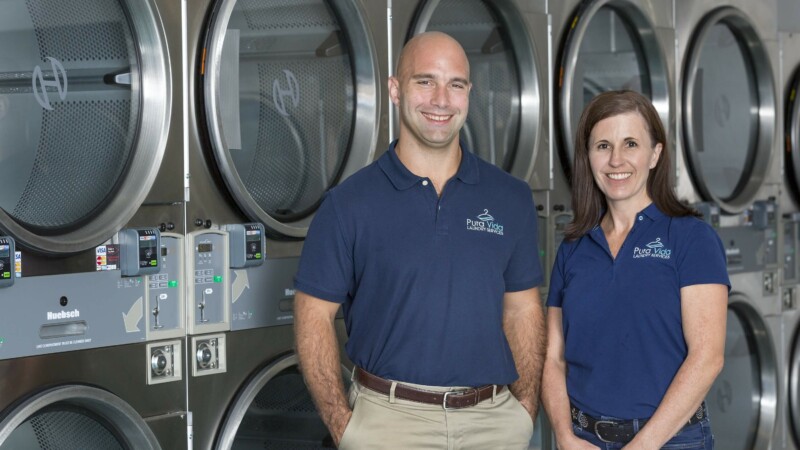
(787, 434)
(508, 46)
(729, 165)
(287, 99)
(87, 130)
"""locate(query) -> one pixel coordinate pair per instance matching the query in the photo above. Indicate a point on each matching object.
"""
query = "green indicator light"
(172, 283)
(6, 274)
(217, 278)
(258, 255)
(154, 262)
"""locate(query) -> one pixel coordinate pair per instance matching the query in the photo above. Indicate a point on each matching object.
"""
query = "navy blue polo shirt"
(421, 278)
(622, 317)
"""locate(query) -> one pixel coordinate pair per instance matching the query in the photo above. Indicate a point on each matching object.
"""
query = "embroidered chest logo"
(653, 249)
(485, 222)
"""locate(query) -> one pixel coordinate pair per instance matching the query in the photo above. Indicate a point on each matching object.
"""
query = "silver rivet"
(424, 182)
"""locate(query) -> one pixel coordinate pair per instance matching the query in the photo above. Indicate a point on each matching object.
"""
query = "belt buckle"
(464, 392)
(597, 433)
(444, 399)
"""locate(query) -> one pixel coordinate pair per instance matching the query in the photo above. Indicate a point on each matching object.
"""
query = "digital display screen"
(4, 251)
(205, 248)
(147, 251)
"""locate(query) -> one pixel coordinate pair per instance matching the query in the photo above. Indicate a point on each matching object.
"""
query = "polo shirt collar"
(402, 178)
(651, 211)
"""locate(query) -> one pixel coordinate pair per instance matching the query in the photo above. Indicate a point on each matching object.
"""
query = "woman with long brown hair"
(638, 294)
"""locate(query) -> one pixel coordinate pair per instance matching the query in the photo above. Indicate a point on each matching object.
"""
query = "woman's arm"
(554, 385)
(704, 316)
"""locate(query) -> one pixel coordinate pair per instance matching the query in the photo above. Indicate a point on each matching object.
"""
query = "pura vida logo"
(485, 222)
(655, 249)
(284, 95)
(56, 80)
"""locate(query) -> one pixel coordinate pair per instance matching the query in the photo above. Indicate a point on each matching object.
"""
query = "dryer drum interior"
(742, 397)
(275, 410)
(75, 417)
(611, 45)
(728, 146)
(290, 101)
(503, 119)
(81, 139)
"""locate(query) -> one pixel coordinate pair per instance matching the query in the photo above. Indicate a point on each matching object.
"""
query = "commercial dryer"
(86, 130)
(286, 101)
(786, 433)
(787, 430)
(727, 59)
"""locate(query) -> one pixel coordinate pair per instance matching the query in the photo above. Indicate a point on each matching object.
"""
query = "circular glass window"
(497, 46)
(728, 101)
(275, 410)
(289, 91)
(71, 111)
(612, 46)
(75, 417)
(792, 135)
(746, 384)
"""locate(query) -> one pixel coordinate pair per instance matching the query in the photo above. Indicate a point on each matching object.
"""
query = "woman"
(638, 295)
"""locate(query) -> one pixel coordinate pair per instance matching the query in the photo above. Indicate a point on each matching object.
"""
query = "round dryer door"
(84, 101)
(75, 417)
(504, 117)
(793, 419)
(792, 135)
(275, 410)
(743, 397)
(729, 110)
(291, 102)
(610, 45)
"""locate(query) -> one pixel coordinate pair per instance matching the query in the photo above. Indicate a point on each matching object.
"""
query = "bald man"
(432, 254)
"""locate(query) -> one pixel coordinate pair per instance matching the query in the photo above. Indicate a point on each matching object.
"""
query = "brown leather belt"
(451, 399)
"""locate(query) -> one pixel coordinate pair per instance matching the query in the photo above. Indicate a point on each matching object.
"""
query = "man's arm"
(523, 323)
(318, 350)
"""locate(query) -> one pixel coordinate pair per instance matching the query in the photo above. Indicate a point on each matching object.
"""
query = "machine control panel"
(165, 299)
(139, 251)
(247, 244)
(208, 297)
(7, 261)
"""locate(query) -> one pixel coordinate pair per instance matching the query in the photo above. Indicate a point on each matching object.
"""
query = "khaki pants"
(379, 422)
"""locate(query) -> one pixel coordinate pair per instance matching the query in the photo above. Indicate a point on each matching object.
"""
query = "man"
(432, 254)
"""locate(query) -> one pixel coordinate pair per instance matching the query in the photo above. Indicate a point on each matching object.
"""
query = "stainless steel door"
(85, 96)
(728, 109)
(291, 98)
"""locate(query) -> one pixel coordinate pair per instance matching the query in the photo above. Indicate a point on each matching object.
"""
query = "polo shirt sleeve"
(326, 264)
(524, 270)
(555, 292)
(702, 259)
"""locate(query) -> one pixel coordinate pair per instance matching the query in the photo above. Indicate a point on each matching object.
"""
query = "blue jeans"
(696, 436)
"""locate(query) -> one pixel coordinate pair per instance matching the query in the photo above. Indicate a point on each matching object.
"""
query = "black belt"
(451, 399)
(619, 431)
